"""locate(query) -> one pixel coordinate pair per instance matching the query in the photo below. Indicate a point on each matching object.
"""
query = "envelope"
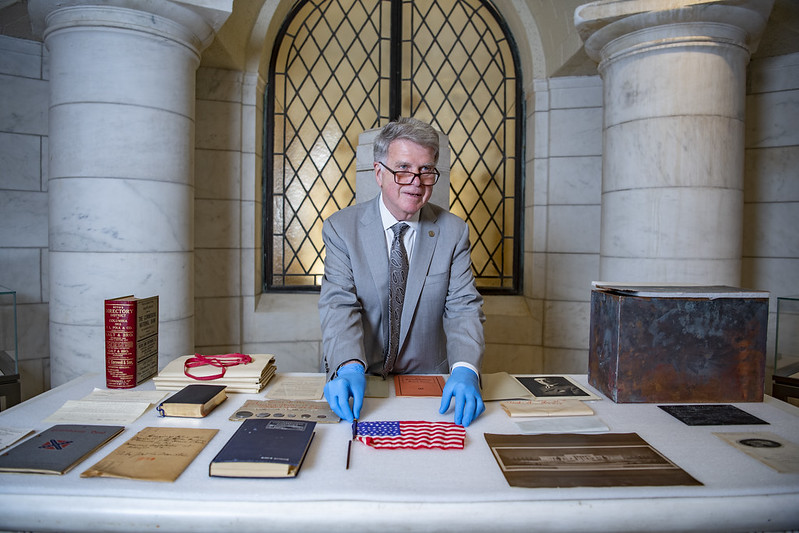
(554, 407)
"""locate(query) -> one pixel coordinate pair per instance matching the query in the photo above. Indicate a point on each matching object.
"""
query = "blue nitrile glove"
(464, 385)
(350, 382)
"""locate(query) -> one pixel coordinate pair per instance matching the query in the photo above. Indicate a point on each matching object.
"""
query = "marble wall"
(562, 217)
(771, 182)
(24, 90)
(545, 330)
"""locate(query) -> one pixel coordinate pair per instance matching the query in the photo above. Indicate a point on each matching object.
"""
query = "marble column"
(674, 74)
(121, 176)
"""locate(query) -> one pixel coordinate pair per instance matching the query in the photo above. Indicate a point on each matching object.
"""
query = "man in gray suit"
(439, 310)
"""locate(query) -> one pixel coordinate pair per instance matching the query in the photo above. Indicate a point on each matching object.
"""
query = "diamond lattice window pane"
(331, 82)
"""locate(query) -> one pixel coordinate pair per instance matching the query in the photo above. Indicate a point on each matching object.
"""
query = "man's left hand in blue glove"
(464, 385)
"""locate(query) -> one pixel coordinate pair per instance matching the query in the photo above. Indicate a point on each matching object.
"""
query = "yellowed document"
(153, 454)
(770, 449)
(502, 386)
(376, 387)
(296, 387)
(546, 408)
(10, 436)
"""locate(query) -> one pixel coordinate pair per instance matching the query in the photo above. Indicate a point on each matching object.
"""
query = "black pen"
(349, 444)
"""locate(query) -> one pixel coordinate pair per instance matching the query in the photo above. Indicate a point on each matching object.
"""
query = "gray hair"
(407, 128)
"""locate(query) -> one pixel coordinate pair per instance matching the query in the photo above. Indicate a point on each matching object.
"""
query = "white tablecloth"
(411, 490)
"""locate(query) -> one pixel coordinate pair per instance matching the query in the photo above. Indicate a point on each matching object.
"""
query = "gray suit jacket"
(442, 318)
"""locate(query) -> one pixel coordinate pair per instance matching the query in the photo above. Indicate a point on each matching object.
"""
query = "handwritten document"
(154, 454)
(115, 395)
(112, 407)
(92, 412)
(296, 388)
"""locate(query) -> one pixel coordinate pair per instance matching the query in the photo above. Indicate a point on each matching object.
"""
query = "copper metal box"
(672, 344)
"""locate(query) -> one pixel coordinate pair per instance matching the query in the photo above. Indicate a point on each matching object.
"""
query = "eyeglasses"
(405, 177)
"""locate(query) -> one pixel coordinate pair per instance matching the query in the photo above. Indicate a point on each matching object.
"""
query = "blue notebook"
(264, 448)
(57, 450)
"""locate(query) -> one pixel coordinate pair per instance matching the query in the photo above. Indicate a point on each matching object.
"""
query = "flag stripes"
(411, 434)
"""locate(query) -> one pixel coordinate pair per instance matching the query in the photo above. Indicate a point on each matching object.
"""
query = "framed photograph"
(568, 460)
(555, 386)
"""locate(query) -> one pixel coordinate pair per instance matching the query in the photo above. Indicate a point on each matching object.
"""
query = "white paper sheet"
(116, 395)
(563, 424)
(94, 412)
(296, 387)
(10, 436)
(772, 450)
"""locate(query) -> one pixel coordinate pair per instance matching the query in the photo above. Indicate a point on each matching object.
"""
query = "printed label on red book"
(131, 341)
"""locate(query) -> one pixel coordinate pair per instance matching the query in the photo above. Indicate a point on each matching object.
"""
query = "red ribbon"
(219, 361)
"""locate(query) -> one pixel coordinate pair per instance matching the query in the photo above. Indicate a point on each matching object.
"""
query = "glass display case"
(785, 384)
(9, 365)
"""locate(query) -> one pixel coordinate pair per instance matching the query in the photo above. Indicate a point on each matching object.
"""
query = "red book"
(131, 341)
(418, 385)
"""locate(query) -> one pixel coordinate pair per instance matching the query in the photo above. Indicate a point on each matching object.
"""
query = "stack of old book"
(249, 377)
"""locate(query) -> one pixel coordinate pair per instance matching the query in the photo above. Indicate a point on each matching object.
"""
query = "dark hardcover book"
(58, 449)
(194, 401)
(264, 448)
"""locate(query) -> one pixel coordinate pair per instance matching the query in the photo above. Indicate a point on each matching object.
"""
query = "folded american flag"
(411, 434)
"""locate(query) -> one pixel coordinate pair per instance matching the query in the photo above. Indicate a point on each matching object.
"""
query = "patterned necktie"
(397, 277)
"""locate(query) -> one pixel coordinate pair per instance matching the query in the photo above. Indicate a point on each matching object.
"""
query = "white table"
(408, 490)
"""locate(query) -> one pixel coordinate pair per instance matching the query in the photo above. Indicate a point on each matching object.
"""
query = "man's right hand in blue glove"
(350, 382)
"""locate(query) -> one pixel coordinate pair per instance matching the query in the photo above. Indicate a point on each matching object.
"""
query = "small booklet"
(418, 385)
(153, 454)
(264, 449)
(194, 401)
(57, 450)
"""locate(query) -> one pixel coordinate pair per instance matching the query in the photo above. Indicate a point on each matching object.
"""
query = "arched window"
(340, 67)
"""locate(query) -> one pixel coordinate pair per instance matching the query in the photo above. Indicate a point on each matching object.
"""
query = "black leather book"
(193, 401)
